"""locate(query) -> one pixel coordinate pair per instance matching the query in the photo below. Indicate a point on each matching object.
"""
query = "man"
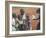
(22, 19)
(38, 19)
(13, 21)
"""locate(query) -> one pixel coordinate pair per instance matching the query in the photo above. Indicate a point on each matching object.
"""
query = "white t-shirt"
(24, 16)
(13, 21)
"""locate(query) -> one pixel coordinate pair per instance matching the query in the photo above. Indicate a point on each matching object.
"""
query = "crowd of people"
(21, 22)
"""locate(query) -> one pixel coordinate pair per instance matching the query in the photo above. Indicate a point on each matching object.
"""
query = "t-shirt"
(13, 21)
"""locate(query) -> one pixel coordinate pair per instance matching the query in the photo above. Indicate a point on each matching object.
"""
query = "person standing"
(22, 18)
(13, 21)
(38, 14)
